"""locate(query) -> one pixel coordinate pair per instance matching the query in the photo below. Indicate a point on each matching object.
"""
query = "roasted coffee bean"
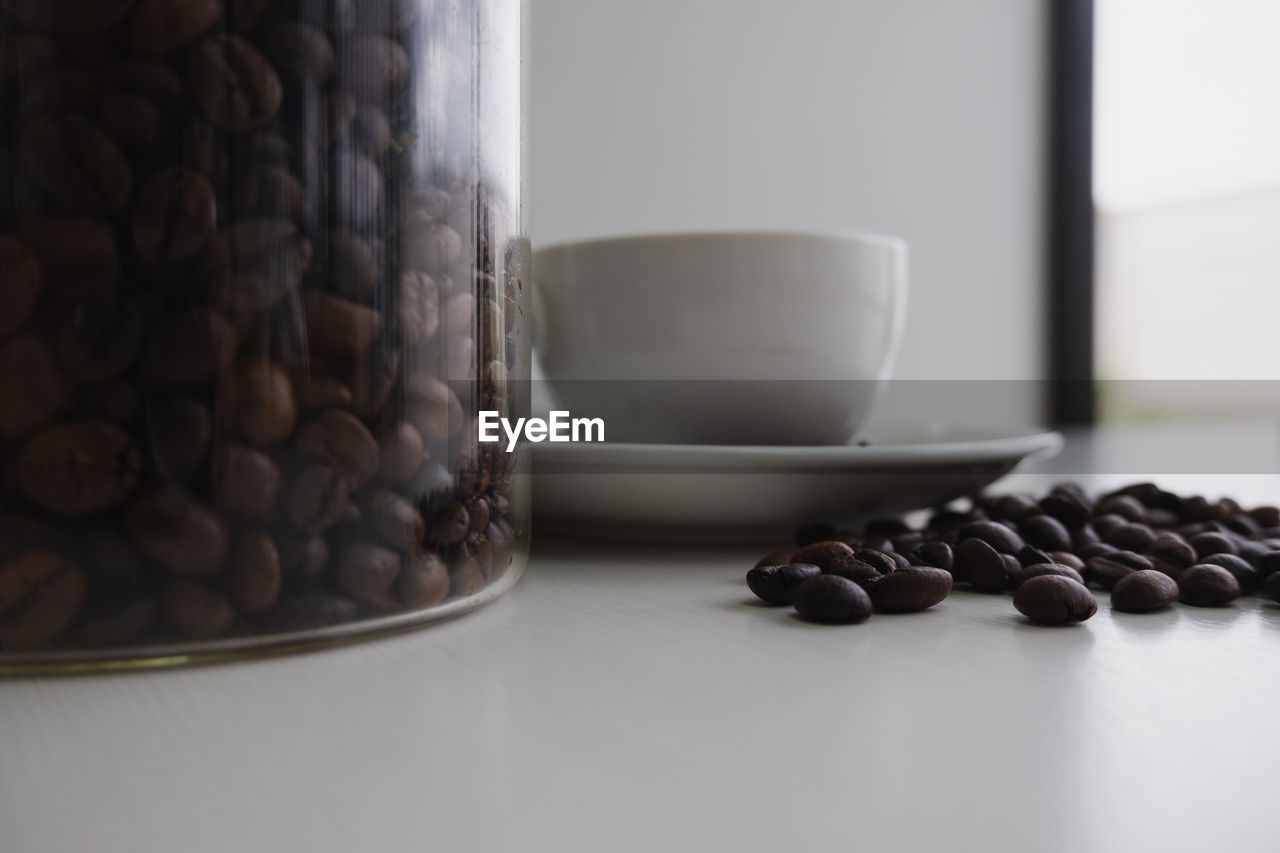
(338, 439)
(99, 339)
(195, 610)
(371, 130)
(851, 568)
(1054, 600)
(303, 559)
(832, 599)
(33, 388)
(117, 620)
(820, 553)
(905, 543)
(779, 584)
(1144, 591)
(318, 391)
(180, 430)
(400, 453)
(1204, 585)
(247, 483)
(1266, 516)
(1245, 574)
(337, 326)
(419, 307)
(21, 280)
(423, 582)
(981, 565)
(934, 553)
(1125, 506)
(1158, 517)
(450, 526)
(187, 350)
(999, 537)
(255, 573)
(478, 511)
(368, 573)
(1212, 543)
(1170, 556)
(235, 85)
(41, 593)
(1014, 507)
(1071, 509)
(1269, 564)
(1271, 588)
(80, 467)
(881, 561)
(1096, 549)
(1066, 558)
(257, 400)
(1104, 570)
(1029, 556)
(318, 499)
(910, 590)
(1104, 524)
(174, 216)
(1083, 536)
(170, 527)
(1039, 569)
(77, 163)
(159, 27)
(1045, 532)
(258, 262)
(397, 521)
(354, 266)
(1252, 551)
(372, 66)
(434, 248)
(302, 52)
(1131, 537)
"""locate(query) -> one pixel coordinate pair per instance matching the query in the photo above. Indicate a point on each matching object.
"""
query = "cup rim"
(867, 238)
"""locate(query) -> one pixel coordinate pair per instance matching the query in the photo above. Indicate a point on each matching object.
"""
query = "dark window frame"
(1071, 256)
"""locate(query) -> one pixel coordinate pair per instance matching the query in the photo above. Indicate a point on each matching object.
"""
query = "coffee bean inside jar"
(260, 264)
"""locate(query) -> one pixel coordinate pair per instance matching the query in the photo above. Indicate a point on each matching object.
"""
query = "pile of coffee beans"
(256, 278)
(1148, 547)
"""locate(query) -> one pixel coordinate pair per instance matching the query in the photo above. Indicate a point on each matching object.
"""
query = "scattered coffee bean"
(821, 553)
(1040, 569)
(41, 594)
(80, 467)
(832, 599)
(1245, 574)
(1209, 543)
(1143, 591)
(910, 590)
(1054, 600)
(168, 526)
(1045, 532)
(981, 565)
(1105, 569)
(999, 537)
(1204, 585)
(779, 584)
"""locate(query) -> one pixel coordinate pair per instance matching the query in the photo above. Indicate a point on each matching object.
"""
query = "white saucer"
(710, 493)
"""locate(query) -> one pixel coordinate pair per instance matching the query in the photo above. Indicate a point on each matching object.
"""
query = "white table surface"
(633, 699)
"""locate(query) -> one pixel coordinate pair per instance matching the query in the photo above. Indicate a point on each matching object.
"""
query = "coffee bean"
(187, 350)
(1040, 569)
(910, 590)
(999, 537)
(434, 248)
(158, 27)
(318, 499)
(372, 66)
(235, 85)
(935, 553)
(419, 307)
(174, 216)
(1067, 507)
(981, 565)
(1014, 507)
(1170, 556)
(1271, 588)
(41, 593)
(776, 558)
(371, 130)
(1252, 551)
(168, 526)
(779, 584)
(1245, 574)
(196, 611)
(358, 191)
(397, 522)
(820, 553)
(339, 326)
(1127, 507)
(400, 453)
(1104, 570)
(1084, 535)
(77, 163)
(1029, 556)
(851, 568)
(338, 439)
(303, 559)
(247, 483)
(1269, 564)
(255, 573)
(1209, 543)
(21, 280)
(257, 400)
(423, 582)
(80, 467)
(1066, 558)
(33, 388)
(1046, 532)
(1104, 524)
(1096, 549)
(368, 572)
(99, 339)
(1131, 537)
(181, 430)
(354, 266)
(1207, 586)
(302, 52)
(1054, 600)
(1144, 591)
(833, 600)
(258, 262)
(1266, 516)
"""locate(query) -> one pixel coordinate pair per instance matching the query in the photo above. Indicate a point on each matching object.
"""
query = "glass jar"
(262, 264)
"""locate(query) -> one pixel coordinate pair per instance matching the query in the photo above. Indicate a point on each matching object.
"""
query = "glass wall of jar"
(262, 262)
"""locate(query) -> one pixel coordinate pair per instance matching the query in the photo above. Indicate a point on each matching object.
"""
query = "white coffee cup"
(728, 338)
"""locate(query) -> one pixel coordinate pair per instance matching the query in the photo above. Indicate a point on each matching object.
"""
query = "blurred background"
(941, 123)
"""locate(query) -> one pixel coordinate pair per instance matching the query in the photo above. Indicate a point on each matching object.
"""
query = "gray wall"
(918, 118)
